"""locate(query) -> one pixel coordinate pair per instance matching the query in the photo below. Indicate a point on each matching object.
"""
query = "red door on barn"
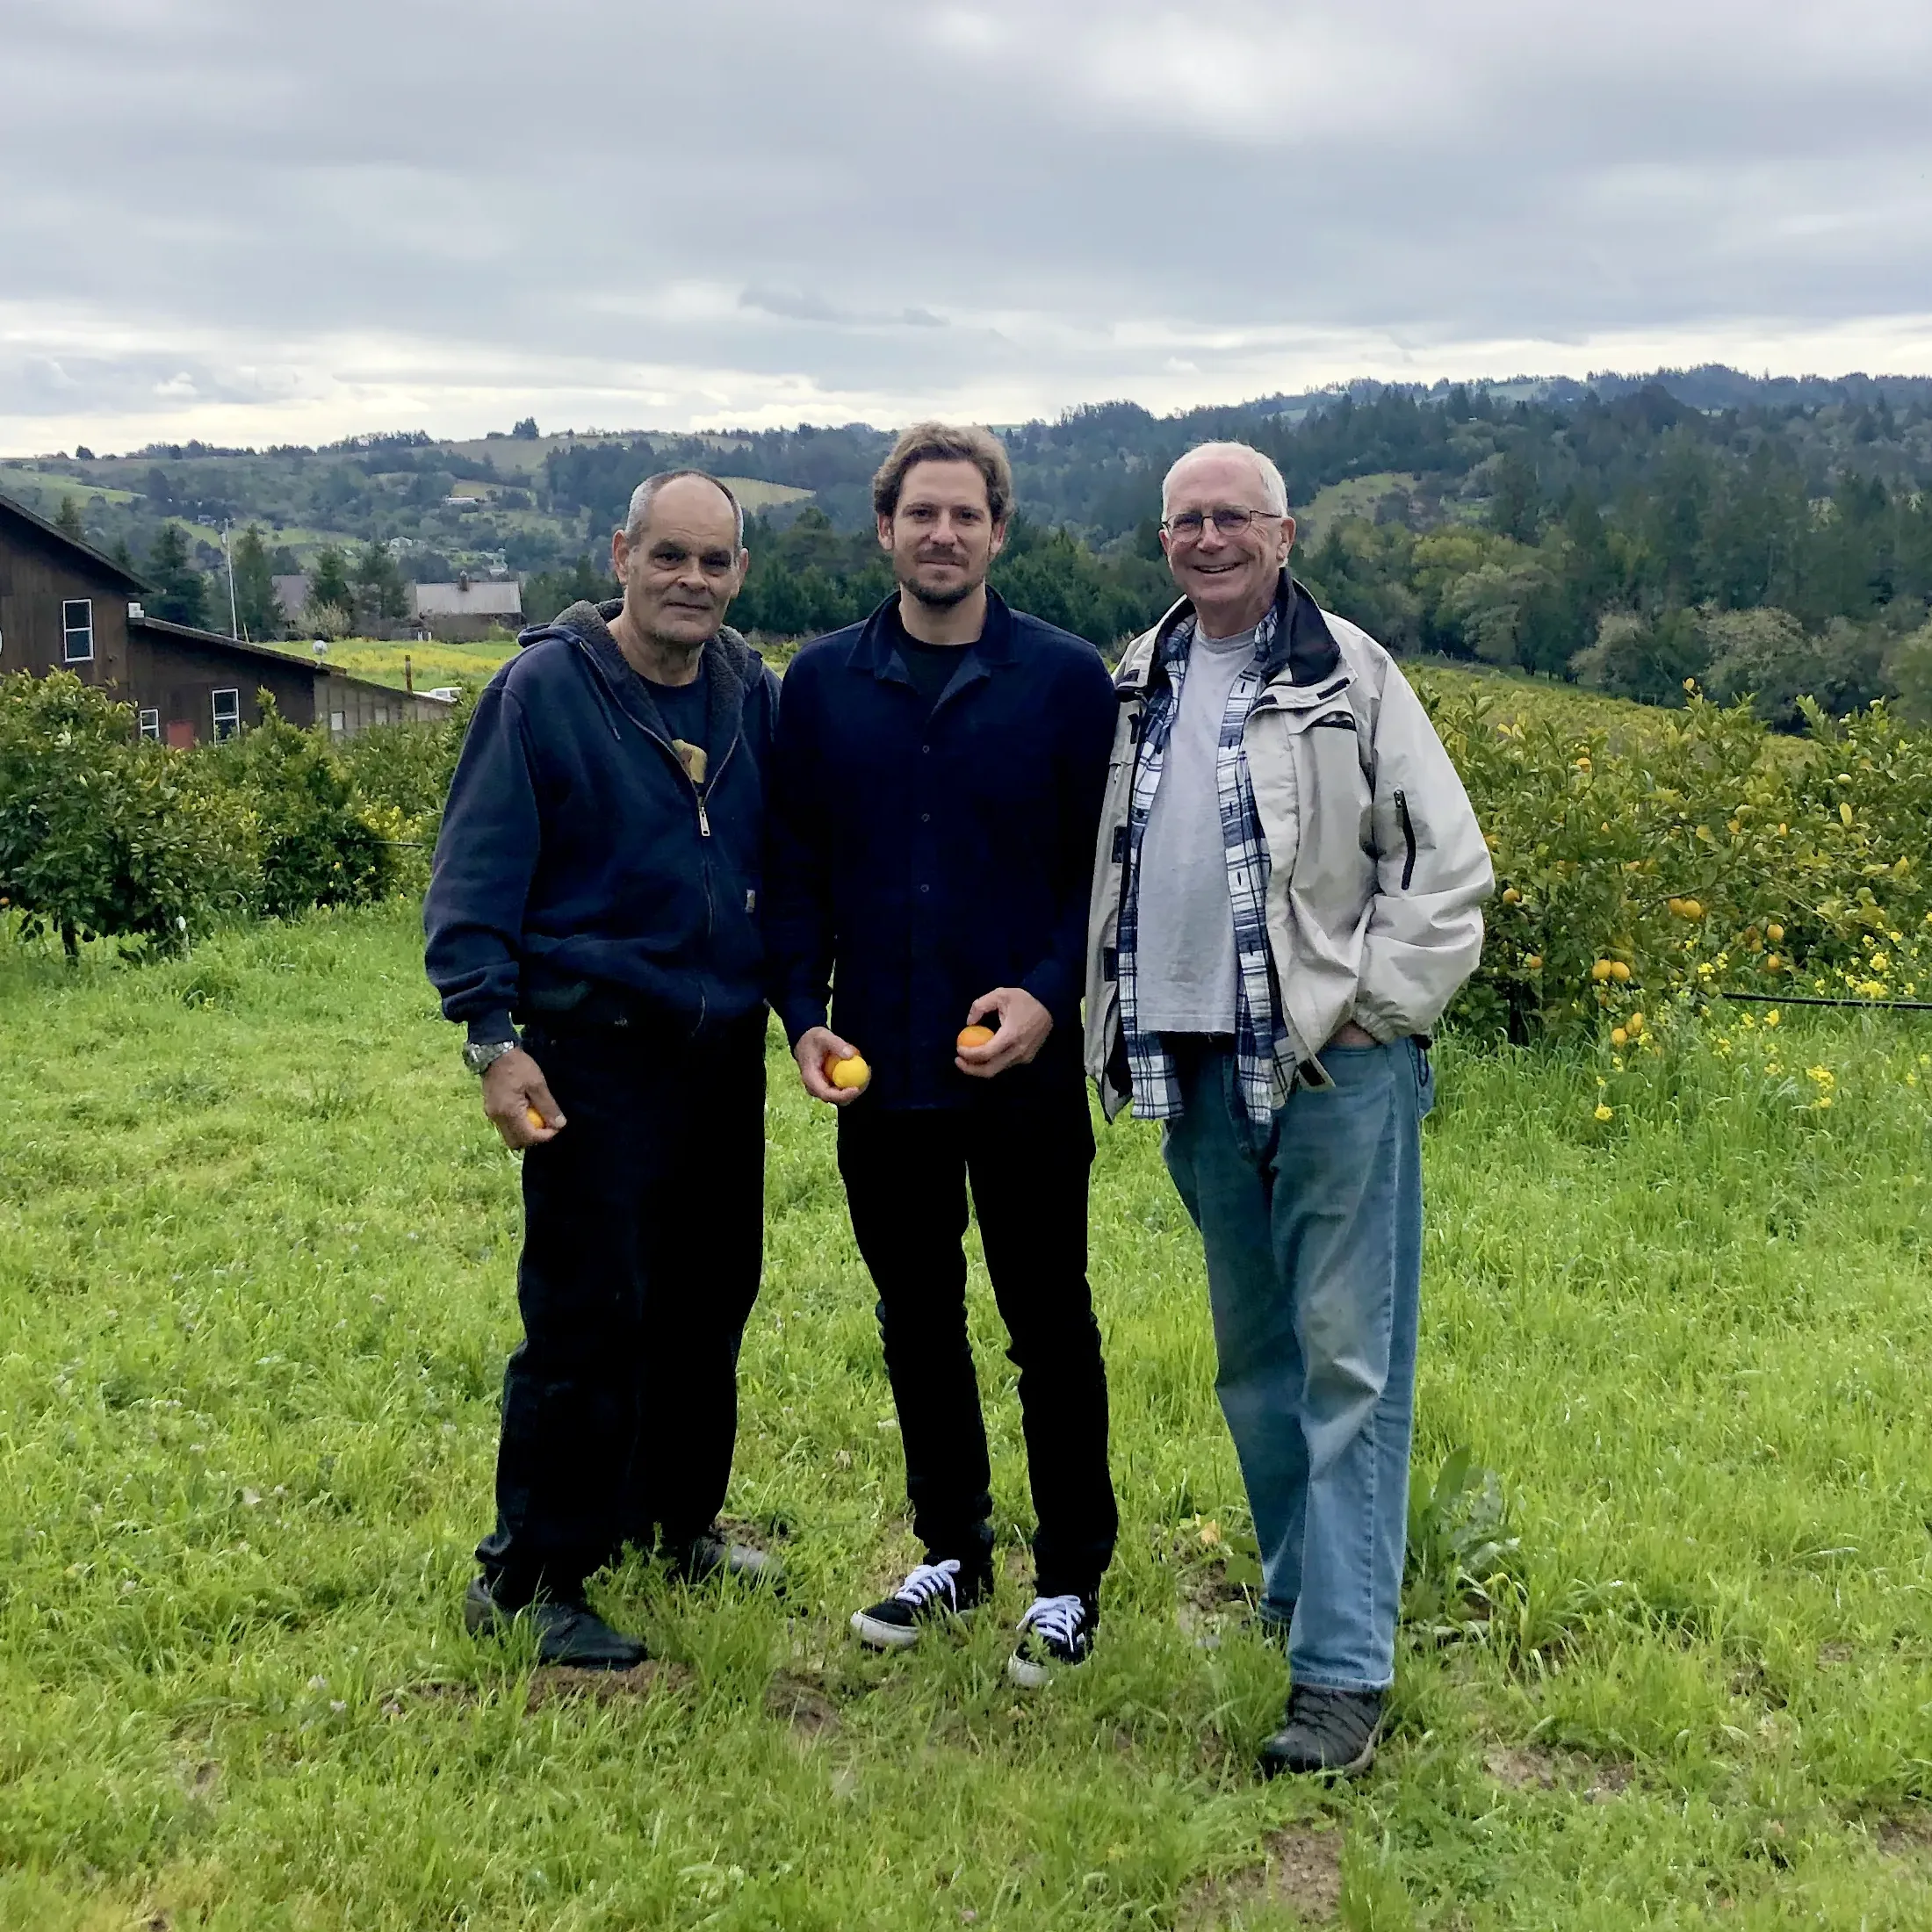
(181, 732)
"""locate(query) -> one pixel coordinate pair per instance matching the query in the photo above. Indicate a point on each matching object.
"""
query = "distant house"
(65, 606)
(470, 608)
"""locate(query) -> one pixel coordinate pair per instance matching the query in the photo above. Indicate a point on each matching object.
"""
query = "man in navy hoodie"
(936, 798)
(597, 880)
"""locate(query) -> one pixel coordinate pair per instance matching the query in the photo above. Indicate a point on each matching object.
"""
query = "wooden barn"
(65, 606)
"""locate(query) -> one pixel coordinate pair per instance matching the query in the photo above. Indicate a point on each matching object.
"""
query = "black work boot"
(568, 1631)
(710, 1556)
(1331, 1733)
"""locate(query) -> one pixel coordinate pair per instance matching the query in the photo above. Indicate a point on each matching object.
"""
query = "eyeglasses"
(1188, 527)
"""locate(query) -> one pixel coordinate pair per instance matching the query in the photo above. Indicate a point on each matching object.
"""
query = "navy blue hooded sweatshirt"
(574, 847)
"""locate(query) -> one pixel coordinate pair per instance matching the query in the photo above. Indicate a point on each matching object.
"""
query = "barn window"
(338, 722)
(150, 726)
(228, 713)
(77, 629)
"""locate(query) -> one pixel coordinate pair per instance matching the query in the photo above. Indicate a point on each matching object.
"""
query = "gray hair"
(646, 494)
(1273, 486)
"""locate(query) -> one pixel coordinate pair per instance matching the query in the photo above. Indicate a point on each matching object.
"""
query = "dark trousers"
(643, 1236)
(905, 1174)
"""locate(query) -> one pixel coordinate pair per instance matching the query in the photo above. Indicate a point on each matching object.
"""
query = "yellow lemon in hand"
(852, 1075)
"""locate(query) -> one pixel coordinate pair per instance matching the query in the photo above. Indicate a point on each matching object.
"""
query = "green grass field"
(256, 1253)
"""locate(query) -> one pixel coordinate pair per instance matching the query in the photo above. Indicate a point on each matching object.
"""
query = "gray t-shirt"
(1185, 965)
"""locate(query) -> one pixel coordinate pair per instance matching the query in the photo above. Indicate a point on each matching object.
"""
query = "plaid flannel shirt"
(1265, 1062)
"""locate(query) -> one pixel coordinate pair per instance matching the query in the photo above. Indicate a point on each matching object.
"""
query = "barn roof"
(98, 558)
(262, 653)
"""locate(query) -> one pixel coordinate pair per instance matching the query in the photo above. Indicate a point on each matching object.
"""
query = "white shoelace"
(928, 1580)
(1056, 1618)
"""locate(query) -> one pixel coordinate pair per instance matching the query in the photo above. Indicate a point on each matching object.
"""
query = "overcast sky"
(250, 222)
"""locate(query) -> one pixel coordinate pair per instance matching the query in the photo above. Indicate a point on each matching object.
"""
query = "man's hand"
(1349, 1034)
(814, 1044)
(513, 1087)
(1023, 1026)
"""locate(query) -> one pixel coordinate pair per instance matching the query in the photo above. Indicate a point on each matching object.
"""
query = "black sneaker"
(931, 1591)
(1330, 1733)
(1056, 1631)
(709, 1556)
(568, 1631)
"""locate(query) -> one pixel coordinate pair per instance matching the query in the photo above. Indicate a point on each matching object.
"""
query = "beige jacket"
(1376, 870)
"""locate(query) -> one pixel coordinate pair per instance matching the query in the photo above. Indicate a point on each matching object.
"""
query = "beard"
(940, 600)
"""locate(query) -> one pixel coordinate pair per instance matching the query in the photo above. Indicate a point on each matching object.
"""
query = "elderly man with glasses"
(1287, 893)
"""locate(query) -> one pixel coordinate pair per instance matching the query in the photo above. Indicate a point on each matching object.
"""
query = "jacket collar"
(726, 670)
(1303, 646)
(876, 649)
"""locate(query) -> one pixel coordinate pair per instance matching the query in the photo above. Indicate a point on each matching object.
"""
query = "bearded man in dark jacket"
(597, 880)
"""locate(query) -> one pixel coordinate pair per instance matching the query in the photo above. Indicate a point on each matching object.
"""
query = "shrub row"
(104, 836)
(1692, 852)
(1701, 852)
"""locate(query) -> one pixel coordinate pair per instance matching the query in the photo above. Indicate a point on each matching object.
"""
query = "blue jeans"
(1313, 1231)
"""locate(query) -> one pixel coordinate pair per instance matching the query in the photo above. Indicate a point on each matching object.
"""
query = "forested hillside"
(1772, 537)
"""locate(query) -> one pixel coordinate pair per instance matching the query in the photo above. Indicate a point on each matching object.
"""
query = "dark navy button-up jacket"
(919, 859)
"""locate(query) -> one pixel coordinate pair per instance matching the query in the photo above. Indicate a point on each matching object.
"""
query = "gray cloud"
(231, 220)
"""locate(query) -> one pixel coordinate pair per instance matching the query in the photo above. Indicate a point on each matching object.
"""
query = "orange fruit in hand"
(535, 1119)
(854, 1073)
(974, 1036)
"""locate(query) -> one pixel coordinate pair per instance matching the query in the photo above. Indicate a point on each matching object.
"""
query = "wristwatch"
(481, 1055)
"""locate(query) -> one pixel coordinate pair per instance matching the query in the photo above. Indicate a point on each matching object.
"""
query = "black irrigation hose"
(1818, 999)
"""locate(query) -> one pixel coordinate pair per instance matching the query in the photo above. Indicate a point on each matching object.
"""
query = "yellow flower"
(1824, 1075)
(1604, 1113)
(1618, 1037)
(1772, 1017)
(1822, 1102)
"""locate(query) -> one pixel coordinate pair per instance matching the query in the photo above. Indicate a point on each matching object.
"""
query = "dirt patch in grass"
(553, 1684)
(1523, 1767)
(1536, 1768)
(1300, 1868)
(802, 1705)
(1908, 1834)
